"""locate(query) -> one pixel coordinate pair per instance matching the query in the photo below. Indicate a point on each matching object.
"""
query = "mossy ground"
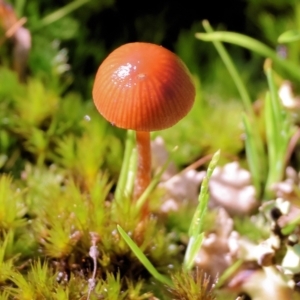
(60, 170)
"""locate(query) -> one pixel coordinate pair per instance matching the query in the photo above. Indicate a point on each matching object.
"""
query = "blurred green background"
(70, 39)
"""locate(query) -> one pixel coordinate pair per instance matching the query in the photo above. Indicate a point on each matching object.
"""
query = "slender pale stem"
(143, 175)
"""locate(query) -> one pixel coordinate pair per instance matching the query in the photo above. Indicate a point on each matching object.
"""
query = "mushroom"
(143, 87)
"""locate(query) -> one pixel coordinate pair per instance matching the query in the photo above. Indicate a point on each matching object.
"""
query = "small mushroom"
(143, 87)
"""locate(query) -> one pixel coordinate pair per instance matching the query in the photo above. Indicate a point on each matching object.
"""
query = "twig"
(94, 254)
(12, 30)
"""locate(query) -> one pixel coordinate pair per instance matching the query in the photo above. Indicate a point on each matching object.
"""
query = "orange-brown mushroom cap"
(144, 87)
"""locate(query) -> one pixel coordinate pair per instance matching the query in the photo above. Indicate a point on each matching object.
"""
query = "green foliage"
(232, 70)
(140, 255)
(286, 66)
(62, 219)
(283, 16)
(41, 283)
(277, 120)
(38, 283)
(289, 36)
(53, 128)
(196, 233)
(12, 208)
(111, 289)
(6, 263)
(182, 285)
(279, 130)
(255, 229)
(191, 285)
(62, 193)
(255, 154)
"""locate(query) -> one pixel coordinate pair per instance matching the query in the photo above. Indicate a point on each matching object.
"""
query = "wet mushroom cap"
(144, 87)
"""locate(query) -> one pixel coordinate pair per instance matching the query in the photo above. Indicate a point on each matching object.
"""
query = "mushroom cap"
(144, 87)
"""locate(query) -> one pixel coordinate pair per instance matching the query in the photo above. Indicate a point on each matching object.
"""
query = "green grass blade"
(291, 226)
(192, 250)
(279, 130)
(19, 7)
(195, 230)
(271, 133)
(122, 182)
(229, 272)
(143, 259)
(198, 218)
(275, 104)
(255, 158)
(60, 13)
(232, 70)
(253, 45)
(131, 173)
(289, 36)
(271, 129)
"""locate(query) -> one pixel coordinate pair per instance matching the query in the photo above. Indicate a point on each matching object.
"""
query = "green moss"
(62, 196)
(192, 286)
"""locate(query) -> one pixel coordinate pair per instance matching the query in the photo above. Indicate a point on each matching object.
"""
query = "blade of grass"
(194, 245)
(271, 131)
(19, 7)
(131, 173)
(60, 13)
(229, 272)
(195, 230)
(122, 182)
(143, 259)
(253, 45)
(197, 222)
(254, 143)
(276, 106)
(279, 131)
(254, 158)
(291, 226)
(232, 70)
(289, 36)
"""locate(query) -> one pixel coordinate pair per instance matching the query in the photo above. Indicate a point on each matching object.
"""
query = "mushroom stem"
(143, 175)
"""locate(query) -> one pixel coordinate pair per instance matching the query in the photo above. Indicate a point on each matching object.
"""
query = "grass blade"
(279, 130)
(60, 13)
(232, 70)
(253, 45)
(142, 258)
(289, 36)
(255, 156)
(195, 230)
(122, 182)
